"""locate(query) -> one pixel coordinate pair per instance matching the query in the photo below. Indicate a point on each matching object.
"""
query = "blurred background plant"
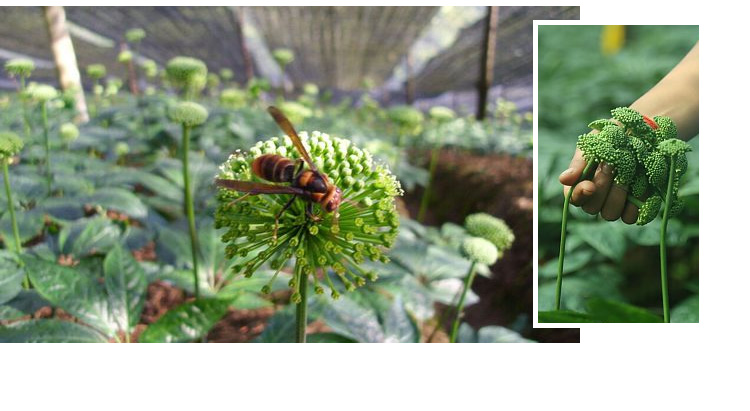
(584, 72)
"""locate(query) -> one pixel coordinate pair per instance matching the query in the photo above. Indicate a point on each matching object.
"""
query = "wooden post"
(65, 58)
(487, 66)
(239, 13)
(409, 79)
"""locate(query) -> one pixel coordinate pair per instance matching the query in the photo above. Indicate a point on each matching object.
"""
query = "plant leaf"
(281, 328)
(11, 276)
(126, 285)
(606, 311)
(352, 320)
(187, 322)
(603, 238)
(88, 236)
(119, 199)
(398, 325)
(564, 316)
(328, 338)
(73, 291)
(49, 331)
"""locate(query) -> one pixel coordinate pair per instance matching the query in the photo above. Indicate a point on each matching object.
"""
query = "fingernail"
(607, 169)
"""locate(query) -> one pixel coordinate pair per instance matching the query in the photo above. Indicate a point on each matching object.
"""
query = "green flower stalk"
(188, 75)
(21, 68)
(491, 238)
(42, 94)
(647, 157)
(189, 115)
(96, 72)
(478, 250)
(11, 145)
(408, 121)
(330, 248)
(440, 115)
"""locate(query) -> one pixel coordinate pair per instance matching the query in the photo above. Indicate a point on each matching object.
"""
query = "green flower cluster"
(640, 151)
(493, 229)
(365, 223)
(19, 67)
(187, 73)
(96, 71)
(135, 35)
(408, 119)
(10, 144)
(232, 98)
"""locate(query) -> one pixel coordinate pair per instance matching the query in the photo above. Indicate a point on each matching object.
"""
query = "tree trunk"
(410, 91)
(65, 58)
(239, 12)
(487, 66)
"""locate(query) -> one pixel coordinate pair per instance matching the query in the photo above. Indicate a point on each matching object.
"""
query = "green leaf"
(73, 291)
(30, 225)
(398, 325)
(328, 338)
(89, 236)
(350, 319)
(281, 328)
(119, 199)
(49, 331)
(603, 238)
(11, 276)
(126, 286)
(616, 312)
(686, 311)
(574, 261)
(564, 316)
(187, 322)
(9, 313)
(497, 334)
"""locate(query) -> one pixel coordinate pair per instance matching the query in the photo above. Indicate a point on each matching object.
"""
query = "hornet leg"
(278, 215)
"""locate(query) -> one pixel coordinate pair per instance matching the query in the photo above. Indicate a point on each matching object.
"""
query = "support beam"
(487, 66)
(65, 58)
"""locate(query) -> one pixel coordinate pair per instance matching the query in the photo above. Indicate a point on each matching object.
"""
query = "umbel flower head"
(407, 119)
(135, 35)
(42, 92)
(10, 144)
(442, 114)
(232, 98)
(283, 56)
(96, 71)
(479, 250)
(339, 243)
(187, 73)
(491, 229)
(188, 114)
(125, 56)
(19, 67)
(69, 132)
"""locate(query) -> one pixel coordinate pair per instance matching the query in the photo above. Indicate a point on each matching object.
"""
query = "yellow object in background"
(613, 39)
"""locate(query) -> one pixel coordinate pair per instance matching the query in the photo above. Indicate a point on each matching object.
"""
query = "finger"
(630, 214)
(602, 181)
(615, 203)
(573, 173)
(581, 193)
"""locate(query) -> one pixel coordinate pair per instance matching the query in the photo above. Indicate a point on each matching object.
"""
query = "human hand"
(598, 194)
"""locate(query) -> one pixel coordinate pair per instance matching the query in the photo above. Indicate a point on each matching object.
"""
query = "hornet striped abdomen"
(273, 167)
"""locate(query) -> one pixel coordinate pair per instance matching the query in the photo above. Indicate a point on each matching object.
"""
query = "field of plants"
(116, 231)
(612, 270)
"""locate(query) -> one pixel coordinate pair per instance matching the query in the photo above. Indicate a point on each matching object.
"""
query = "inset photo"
(617, 174)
